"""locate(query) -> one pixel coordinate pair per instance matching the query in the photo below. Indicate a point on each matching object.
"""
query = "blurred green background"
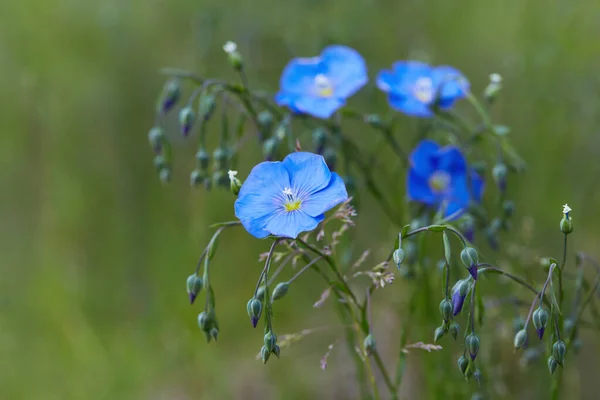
(95, 251)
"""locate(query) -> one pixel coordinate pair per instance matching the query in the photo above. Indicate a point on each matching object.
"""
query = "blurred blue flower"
(439, 176)
(320, 85)
(413, 87)
(284, 198)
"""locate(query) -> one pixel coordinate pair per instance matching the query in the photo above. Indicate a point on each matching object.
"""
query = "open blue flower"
(439, 176)
(320, 85)
(413, 87)
(284, 198)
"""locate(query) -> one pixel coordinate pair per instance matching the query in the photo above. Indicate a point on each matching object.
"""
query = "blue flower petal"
(387, 81)
(423, 156)
(308, 171)
(409, 106)
(477, 186)
(346, 68)
(319, 107)
(451, 160)
(255, 211)
(291, 224)
(458, 197)
(418, 188)
(299, 74)
(327, 198)
(451, 82)
(286, 99)
(269, 177)
(408, 72)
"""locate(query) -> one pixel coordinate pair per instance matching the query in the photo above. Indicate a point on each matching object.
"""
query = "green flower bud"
(540, 319)
(463, 363)
(269, 147)
(439, 333)
(369, 345)
(206, 106)
(194, 286)
(165, 175)
(202, 159)
(398, 257)
(234, 183)
(330, 156)
(470, 259)
(186, 120)
(220, 155)
(270, 340)
(559, 349)
(508, 208)
(472, 345)
(446, 309)
(276, 351)
(235, 58)
(213, 333)
(577, 344)
(493, 88)
(160, 162)
(169, 96)
(566, 225)
(254, 308)
(156, 138)
(520, 339)
(265, 119)
(220, 178)
(265, 354)
(499, 173)
(280, 290)
(552, 364)
(260, 293)
(196, 178)
(454, 329)
(477, 376)
(204, 320)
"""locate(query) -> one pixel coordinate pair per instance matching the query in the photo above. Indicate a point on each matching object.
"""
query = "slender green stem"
(384, 372)
(307, 266)
(560, 270)
(490, 268)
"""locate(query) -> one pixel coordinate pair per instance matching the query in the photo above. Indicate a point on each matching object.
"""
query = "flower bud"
(213, 334)
(220, 155)
(398, 257)
(265, 120)
(509, 208)
(520, 339)
(254, 308)
(477, 376)
(439, 333)
(169, 96)
(204, 321)
(260, 293)
(559, 349)
(552, 364)
(472, 345)
(319, 137)
(165, 175)
(499, 173)
(566, 225)
(540, 319)
(459, 293)
(206, 106)
(265, 354)
(470, 259)
(202, 159)
(194, 286)
(454, 329)
(186, 120)
(270, 340)
(369, 345)
(276, 351)
(269, 147)
(160, 162)
(234, 183)
(467, 227)
(235, 58)
(280, 290)
(463, 363)
(196, 178)
(156, 138)
(446, 309)
(493, 88)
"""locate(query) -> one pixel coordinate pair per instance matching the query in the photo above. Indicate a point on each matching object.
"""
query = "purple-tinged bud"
(467, 227)
(552, 364)
(156, 137)
(470, 259)
(186, 120)
(459, 293)
(499, 173)
(463, 363)
(540, 319)
(194, 286)
(169, 96)
(254, 308)
(472, 345)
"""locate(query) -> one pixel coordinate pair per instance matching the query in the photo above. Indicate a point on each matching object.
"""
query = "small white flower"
(230, 47)
(566, 209)
(232, 174)
(495, 78)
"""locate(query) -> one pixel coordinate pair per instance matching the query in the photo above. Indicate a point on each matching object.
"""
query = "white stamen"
(322, 80)
(566, 209)
(287, 191)
(232, 174)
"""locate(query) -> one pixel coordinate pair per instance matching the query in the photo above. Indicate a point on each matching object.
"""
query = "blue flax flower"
(413, 87)
(320, 85)
(284, 198)
(439, 176)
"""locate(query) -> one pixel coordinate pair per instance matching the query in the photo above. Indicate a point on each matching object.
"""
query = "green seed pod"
(454, 329)
(439, 333)
(463, 363)
(270, 340)
(265, 354)
(280, 290)
(566, 225)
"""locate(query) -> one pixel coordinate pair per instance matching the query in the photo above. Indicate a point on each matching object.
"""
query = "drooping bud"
(254, 308)
(463, 363)
(269, 147)
(540, 319)
(156, 138)
(493, 88)
(477, 376)
(276, 351)
(220, 156)
(260, 293)
(398, 257)
(472, 345)
(499, 173)
(265, 354)
(470, 259)
(204, 321)
(165, 175)
(234, 183)
(213, 334)
(265, 120)
(186, 120)
(509, 208)
(280, 290)
(202, 159)
(566, 224)
(194, 286)
(206, 106)
(552, 364)
(559, 349)
(520, 339)
(270, 340)
(459, 293)
(446, 309)
(439, 333)
(196, 178)
(169, 96)
(159, 162)
(369, 345)
(454, 329)
(235, 58)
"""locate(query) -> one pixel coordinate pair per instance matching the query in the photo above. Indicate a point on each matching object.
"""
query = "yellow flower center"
(323, 86)
(439, 181)
(291, 203)
(423, 90)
